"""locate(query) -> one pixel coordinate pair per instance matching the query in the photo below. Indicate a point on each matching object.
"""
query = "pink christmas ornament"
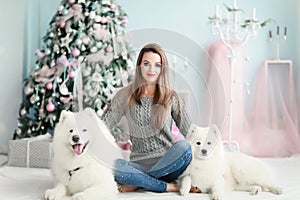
(28, 90)
(85, 40)
(23, 112)
(109, 49)
(62, 24)
(112, 6)
(71, 1)
(33, 99)
(50, 107)
(71, 74)
(125, 21)
(103, 20)
(49, 86)
(76, 52)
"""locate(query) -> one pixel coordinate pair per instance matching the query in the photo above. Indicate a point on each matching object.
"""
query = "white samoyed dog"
(79, 174)
(214, 171)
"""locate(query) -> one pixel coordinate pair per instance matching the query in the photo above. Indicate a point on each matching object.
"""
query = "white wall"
(190, 18)
(298, 55)
(11, 64)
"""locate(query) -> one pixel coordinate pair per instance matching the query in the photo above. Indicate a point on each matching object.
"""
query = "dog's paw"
(215, 196)
(254, 190)
(48, 195)
(276, 190)
(184, 190)
(52, 194)
(56, 193)
(79, 196)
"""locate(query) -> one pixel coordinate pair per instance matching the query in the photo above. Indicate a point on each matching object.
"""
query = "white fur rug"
(30, 184)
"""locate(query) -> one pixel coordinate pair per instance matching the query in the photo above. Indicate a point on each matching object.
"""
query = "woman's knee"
(183, 146)
(186, 150)
(120, 163)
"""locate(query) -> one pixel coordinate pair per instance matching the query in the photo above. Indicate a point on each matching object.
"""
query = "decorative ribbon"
(114, 42)
(63, 61)
(29, 140)
(78, 90)
(76, 12)
(100, 55)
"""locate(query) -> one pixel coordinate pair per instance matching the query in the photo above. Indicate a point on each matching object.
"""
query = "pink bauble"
(85, 40)
(62, 24)
(112, 6)
(109, 49)
(75, 52)
(103, 20)
(23, 112)
(71, 74)
(71, 1)
(125, 21)
(50, 107)
(28, 90)
(49, 86)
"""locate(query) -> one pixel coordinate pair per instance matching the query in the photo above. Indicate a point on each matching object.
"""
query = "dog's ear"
(63, 115)
(216, 131)
(91, 112)
(191, 133)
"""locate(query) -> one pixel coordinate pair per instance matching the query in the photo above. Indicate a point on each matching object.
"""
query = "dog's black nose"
(75, 138)
(204, 151)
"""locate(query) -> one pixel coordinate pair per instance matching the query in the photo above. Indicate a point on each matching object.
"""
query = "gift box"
(126, 147)
(32, 152)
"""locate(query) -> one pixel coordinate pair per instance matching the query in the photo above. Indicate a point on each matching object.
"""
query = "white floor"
(30, 184)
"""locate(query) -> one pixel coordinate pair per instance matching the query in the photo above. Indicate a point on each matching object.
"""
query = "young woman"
(150, 107)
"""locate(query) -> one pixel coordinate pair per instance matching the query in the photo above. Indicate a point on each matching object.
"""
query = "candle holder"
(277, 40)
(234, 33)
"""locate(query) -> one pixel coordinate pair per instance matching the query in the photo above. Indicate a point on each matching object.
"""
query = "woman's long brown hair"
(163, 91)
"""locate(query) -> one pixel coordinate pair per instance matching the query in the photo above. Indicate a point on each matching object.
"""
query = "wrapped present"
(126, 147)
(33, 152)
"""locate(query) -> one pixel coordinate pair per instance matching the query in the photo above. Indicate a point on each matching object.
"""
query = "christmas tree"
(83, 59)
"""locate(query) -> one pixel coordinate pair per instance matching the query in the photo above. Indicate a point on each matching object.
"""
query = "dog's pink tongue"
(78, 149)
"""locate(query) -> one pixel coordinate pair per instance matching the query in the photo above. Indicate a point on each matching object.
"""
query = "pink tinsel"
(101, 56)
(100, 33)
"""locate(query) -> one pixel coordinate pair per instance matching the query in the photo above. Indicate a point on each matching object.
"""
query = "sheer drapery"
(274, 117)
(266, 124)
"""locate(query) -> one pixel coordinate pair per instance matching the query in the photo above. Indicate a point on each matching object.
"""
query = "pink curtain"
(265, 123)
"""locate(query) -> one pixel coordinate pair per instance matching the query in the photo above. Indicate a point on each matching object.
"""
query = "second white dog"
(215, 171)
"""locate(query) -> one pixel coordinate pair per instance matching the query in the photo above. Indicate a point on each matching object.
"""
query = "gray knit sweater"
(148, 143)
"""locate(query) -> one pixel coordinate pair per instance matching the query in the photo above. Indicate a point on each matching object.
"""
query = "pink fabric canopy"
(265, 123)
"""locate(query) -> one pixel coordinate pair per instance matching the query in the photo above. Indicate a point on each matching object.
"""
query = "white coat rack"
(232, 29)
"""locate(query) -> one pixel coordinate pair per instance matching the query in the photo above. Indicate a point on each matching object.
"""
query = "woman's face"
(151, 67)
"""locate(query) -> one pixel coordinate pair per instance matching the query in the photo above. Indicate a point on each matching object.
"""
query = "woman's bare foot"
(195, 190)
(172, 187)
(127, 188)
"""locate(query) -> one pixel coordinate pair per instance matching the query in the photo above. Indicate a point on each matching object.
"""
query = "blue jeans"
(167, 169)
